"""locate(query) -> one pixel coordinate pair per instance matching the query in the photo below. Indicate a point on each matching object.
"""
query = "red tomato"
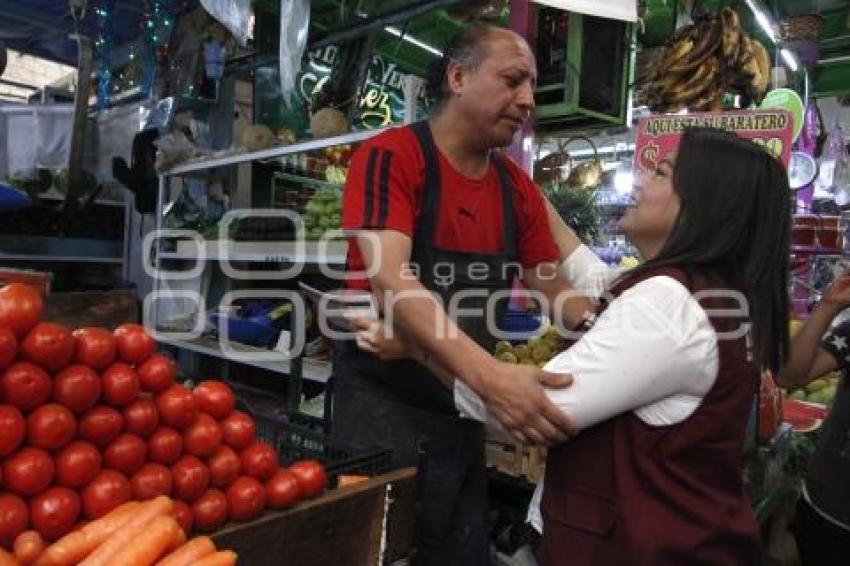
(165, 446)
(311, 477)
(101, 425)
(77, 387)
(238, 430)
(8, 347)
(27, 472)
(149, 482)
(191, 478)
(107, 490)
(134, 343)
(283, 490)
(20, 308)
(55, 512)
(14, 518)
(177, 407)
(120, 384)
(224, 466)
(183, 515)
(157, 373)
(48, 344)
(25, 386)
(77, 464)
(51, 426)
(11, 429)
(246, 498)
(215, 398)
(259, 460)
(95, 347)
(126, 454)
(203, 437)
(210, 510)
(141, 417)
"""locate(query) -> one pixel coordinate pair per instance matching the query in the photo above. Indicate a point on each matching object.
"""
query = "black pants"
(450, 524)
(820, 542)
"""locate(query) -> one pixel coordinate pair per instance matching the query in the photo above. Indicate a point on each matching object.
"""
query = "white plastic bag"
(235, 15)
(294, 24)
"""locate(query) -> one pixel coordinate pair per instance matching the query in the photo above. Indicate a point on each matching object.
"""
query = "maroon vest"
(625, 492)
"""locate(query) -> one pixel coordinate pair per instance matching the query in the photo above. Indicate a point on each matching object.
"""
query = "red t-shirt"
(384, 192)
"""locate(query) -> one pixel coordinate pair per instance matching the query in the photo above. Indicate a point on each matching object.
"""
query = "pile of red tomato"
(90, 419)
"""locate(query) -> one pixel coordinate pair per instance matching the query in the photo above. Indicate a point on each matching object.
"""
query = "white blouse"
(653, 351)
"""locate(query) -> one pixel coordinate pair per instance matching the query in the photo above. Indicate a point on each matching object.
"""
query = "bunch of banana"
(704, 60)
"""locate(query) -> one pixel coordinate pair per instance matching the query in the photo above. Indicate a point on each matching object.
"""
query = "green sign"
(786, 99)
(381, 104)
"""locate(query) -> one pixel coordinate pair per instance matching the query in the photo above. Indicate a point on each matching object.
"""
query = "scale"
(802, 170)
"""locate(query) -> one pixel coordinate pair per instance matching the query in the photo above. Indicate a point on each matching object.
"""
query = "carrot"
(148, 545)
(187, 554)
(28, 547)
(220, 558)
(7, 559)
(178, 541)
(345, 480)
(79, 543)
(147, 512)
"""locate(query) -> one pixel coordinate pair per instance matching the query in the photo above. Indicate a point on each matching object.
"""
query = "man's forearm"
(438, 342)
(567, 304)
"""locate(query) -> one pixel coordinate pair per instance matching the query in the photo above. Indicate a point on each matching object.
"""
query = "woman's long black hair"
(734, 227)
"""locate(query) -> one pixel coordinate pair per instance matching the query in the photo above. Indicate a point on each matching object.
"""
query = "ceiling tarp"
(613, 9)
(41, 27)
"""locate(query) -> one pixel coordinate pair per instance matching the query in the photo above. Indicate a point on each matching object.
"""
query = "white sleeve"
(587, 273)
(652, 351)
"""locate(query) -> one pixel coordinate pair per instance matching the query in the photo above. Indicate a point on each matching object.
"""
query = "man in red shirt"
(439, 197)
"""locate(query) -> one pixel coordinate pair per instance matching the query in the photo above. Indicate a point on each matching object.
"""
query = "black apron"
(401, 404)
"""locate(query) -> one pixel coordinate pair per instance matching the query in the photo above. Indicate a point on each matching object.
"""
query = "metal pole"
(78, 134)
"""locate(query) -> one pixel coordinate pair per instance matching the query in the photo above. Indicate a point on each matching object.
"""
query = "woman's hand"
(372, 335)
(837, 295)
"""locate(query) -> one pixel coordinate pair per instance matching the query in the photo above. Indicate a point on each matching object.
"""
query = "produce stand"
(360, 524)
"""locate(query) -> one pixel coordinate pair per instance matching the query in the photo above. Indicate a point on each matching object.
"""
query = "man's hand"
(373, 336)
(515, 397)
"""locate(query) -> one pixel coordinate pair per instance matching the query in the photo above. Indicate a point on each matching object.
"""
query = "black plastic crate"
(294, 442)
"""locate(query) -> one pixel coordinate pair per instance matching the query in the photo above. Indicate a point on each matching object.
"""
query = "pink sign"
(659, 135)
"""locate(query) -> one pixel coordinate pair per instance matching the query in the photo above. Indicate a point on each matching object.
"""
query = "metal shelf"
(260, 252)
(313, 370)
(58, 249)
(60, 258)
(272, 152)
(302, 180)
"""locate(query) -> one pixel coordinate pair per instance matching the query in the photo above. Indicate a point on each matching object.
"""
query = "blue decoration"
(103, 44)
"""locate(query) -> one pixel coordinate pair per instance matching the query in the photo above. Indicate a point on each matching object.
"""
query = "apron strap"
(431, 191)
(508, 219)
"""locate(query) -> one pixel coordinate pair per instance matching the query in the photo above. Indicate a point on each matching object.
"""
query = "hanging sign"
(786, 99)
(659, 136)
(381, 103)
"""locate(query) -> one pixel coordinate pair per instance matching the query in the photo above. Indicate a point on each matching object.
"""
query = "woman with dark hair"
(664, 380)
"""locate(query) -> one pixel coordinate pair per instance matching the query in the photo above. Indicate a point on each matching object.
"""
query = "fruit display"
(91, 420)
(820, 390)
(703, 61)
(537, 350)
(323, 212)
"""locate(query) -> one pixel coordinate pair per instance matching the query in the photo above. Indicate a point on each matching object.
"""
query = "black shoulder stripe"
(384, 195)
(369, 197)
